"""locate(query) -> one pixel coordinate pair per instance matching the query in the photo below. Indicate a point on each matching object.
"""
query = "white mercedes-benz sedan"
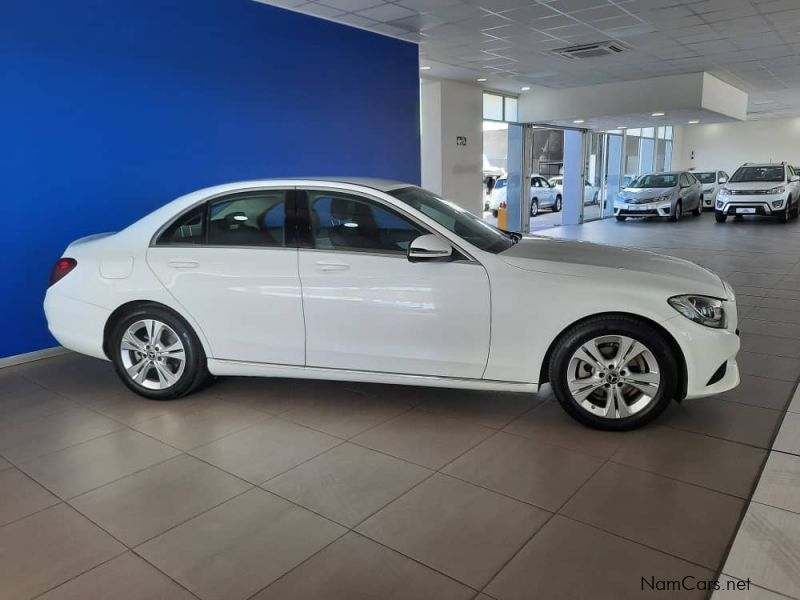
(379, 281)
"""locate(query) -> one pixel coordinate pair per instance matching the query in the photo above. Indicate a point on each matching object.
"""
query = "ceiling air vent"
(590, 50)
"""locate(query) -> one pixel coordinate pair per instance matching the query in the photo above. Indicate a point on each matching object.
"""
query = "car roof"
(779, 164)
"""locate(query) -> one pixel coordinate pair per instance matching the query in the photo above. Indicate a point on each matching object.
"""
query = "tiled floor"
(278, 489)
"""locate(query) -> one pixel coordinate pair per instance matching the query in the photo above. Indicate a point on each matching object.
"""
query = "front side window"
(455, 219)
(707, 177)
(685, 181)
(342, 221)
(250, 219)
(765, 174)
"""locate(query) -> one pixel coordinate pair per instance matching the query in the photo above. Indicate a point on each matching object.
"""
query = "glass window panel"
(248, 220)
(492, 107)
(511, 109)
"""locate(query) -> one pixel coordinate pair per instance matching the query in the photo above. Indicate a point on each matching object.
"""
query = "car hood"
(636, 193)
(755, 185)
(571, 258)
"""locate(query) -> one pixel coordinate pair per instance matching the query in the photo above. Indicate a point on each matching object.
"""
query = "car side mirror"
(429, 247)
(723, 180)
(795, 178)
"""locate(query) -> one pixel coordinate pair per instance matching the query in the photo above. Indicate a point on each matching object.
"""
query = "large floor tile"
(767, 280)
(776, 315)
(490, 409)
(266, 449)
(567, 560)
(88, 465)
(681, 519)
(457, 528)
(726, 420)
(126, 577)
(774, 328)
(34, 437)
(344, 414)
(348, 483)
(4, 464)
(772, 345)
(549, 423)
(794, 405)
(20, 496)
(46, 549)
(779, 485)
(763, 392)
(731, 588)
(145, 504)
(36, 403)
(767, 550)
(767, 365)
(187, 430)
(241, 546)
(705, 461)
(788, 439)
(542, 474)
(356, 567)
(14, 384)
(424, 438)
(131, 409)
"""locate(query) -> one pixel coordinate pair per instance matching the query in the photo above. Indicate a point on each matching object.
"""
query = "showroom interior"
(532, 116)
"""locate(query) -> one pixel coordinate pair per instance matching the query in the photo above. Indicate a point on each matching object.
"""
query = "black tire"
(534, 207)
(677, 213)
(621, 218)
(195, 371)
(641, 331)
(557, 205)
(699, 210)
(494, 213)
(783, 215)
(720, 217)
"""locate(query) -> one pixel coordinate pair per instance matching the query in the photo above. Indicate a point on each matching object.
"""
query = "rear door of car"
(231, 262)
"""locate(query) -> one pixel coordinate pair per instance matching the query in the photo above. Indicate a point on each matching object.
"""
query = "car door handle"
(183, 264)
(331, 266)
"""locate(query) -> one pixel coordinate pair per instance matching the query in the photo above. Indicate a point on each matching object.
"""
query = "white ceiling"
(751, 44)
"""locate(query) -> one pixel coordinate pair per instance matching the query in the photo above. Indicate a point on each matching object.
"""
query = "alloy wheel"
(613, 376)
(152, 354)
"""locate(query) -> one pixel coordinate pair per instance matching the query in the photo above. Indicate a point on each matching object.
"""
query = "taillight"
(61, 269)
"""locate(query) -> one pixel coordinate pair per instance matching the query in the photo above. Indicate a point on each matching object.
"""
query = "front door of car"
(368, 308)
(232, 265)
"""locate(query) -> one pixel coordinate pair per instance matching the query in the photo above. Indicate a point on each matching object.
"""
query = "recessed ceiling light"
(424, 68)
(657, 114)
(694, 122)
(579, 121)
(525, 89)
(622, 127)
(481, 79)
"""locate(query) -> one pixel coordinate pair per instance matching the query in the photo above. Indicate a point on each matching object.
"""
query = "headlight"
(724, 191)
(701, 309)
(777, 190)
(665, 198)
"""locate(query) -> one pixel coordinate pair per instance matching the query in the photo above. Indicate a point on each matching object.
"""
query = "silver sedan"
(660, 195)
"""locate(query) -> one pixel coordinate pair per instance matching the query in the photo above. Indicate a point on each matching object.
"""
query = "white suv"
(760, 189)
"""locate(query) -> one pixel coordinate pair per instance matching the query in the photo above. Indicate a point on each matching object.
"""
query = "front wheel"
(720, 217)
(699, 210)
(783, 216)
(156, 354)
(621, 218)
(534, 207)
(678, 212)
(614, 372)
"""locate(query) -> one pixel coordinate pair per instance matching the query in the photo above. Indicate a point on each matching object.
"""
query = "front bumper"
(706, 350)
(764, 205)
(652, 209)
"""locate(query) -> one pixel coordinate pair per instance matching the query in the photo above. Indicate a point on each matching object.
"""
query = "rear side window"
(248, 219)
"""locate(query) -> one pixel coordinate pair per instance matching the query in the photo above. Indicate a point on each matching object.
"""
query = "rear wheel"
(720, 217)
(557, 205)
(156, 353)
(614, 372)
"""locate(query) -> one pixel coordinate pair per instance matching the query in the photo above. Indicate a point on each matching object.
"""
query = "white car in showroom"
(543, 194)
(591, 195)
(711, 181)
(378, 281)
(760, 189)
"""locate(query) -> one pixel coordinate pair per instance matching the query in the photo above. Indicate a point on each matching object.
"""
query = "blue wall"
(111, 108)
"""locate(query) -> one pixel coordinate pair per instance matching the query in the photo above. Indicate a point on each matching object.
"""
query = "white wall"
(451, 109)
(727, 145)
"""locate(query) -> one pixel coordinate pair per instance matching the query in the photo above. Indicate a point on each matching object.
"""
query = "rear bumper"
(76, 325)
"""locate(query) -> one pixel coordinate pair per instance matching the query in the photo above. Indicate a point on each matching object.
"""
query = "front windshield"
(455, 219)
(745, 174)
(662, 180)
(501, 183)
(706, 177)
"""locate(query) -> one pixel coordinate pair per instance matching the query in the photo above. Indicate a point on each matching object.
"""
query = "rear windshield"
(745, 174)
(706, 177)
(662, 180)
